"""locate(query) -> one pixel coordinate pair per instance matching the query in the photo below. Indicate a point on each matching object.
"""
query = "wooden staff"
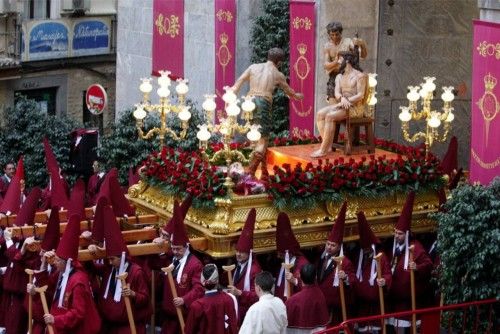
(229, 271)
(412, 286)
(380, 290)
(153, 301)
(287, 267)
(122, 278)
(339, 260)
(30, 301)
(168, 270)
(41, 291)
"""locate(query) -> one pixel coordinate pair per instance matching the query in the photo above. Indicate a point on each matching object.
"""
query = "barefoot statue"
(333, 47)
(350, 90)
(263, 78)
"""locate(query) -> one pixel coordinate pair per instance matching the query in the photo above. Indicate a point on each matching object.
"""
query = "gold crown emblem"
(489, 82)
(302, 48)
(223, 38)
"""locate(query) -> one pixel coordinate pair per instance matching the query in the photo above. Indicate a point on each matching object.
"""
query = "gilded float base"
(220, 226)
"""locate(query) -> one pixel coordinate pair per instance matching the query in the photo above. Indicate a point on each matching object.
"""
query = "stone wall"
(135, 47)
(425, 38)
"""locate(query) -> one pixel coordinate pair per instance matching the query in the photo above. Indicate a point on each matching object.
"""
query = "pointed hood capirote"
(112, 190)
(99, 220)
(26, 214)
(245, 241)
(12, 201)
(52, 232)
(285, 239)
(404, 221)
(183, 208)
(450, 159)
(337, 233)
(77, 199)
(58, 196)
(68, 245)
(179, 236)
(113, 234)
(366, 236)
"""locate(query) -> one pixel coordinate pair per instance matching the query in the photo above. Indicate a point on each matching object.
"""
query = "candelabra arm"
(148, 134)
(415, 137)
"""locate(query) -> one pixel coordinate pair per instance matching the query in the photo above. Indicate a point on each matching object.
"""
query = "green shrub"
(469, 244)
(24, 127)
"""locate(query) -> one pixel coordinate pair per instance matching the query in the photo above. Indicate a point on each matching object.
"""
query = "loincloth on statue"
(263, 115)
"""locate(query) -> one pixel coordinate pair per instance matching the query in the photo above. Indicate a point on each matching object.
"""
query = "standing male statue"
(263, 79)
(333, 47)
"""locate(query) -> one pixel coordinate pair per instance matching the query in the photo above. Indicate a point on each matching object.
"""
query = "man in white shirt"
(268, 315)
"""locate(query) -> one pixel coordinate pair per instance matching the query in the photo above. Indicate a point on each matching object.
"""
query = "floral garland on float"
(177, 172)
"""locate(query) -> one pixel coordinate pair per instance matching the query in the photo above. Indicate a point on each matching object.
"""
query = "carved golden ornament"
(302, 69)
(488, 104)
(224, 15)
(486, 49)
(483, 164)
(302, 22)
(223, 54)
(220, 226)
(168, 26)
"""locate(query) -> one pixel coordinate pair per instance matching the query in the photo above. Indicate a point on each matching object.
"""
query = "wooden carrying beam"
(41, 218)
(142, 249)
(39, 230)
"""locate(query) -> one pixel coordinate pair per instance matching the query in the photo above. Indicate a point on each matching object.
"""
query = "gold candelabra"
(433, 118)
(163, 108)
(228, 128)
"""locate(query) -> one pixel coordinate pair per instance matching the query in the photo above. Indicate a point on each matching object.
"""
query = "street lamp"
(163, 108)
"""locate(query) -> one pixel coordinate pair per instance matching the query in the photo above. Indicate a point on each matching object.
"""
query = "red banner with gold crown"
(225, 47)
(302, 63)
(168, 37)
(485, 136)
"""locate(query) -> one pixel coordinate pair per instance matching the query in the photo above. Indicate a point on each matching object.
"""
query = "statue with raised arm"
(336, 44)
(350, 91)
(263, 79)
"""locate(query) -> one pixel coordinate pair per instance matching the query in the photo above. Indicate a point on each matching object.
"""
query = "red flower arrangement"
(180, 172)
(303, 186)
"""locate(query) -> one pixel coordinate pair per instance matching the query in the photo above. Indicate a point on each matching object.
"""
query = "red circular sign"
(96, 99)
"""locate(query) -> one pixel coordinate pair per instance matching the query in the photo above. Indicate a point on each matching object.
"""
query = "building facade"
(52, 50)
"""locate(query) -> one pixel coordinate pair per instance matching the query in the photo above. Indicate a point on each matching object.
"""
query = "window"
(38, 9)
(44, 97)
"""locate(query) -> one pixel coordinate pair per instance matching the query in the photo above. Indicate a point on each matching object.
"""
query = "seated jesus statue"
(350, 87)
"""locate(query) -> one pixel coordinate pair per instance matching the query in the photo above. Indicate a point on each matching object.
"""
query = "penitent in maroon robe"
(332, 293)
(214, 313)
(400, 291)
(114, 314)
(189, 288)
(367, 296)
(307, 308)
(279, 291)
(78, 314)
(14, 287)
(247, 298)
